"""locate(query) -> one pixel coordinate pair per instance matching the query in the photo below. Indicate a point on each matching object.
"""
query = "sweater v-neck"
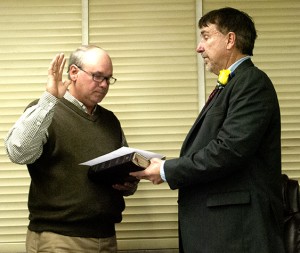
(81, 112)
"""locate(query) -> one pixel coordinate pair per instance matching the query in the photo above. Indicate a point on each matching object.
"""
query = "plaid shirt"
(25, 140)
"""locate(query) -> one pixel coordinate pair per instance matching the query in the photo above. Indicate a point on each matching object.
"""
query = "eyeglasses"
(99, 78)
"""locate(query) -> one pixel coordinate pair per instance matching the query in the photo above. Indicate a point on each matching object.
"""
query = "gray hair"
(76, 57)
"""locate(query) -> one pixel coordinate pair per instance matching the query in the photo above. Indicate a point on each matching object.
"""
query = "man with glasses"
(65, 127)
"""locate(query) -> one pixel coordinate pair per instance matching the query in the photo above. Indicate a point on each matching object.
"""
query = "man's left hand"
(128, 188)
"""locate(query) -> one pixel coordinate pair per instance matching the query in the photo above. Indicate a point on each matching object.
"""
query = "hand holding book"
(114, 168)
(151, 173)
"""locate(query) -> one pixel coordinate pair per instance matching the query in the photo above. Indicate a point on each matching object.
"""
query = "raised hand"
(55, 85)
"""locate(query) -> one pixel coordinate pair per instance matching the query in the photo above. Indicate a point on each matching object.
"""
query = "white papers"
(120, 152)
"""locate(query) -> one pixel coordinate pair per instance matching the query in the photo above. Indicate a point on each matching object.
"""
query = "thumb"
(67, 83)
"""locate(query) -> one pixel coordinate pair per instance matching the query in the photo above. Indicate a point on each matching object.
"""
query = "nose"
(200, 48)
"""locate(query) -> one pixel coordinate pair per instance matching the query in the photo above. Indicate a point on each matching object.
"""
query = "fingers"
(52, 65)
(57, 66)
(138, 174)
(67, 83)
(55, 85)
(154, 178)
(119, 187)
(61, 64)
(125, 187)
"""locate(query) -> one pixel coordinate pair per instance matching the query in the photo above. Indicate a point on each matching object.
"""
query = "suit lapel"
(198, 121)
(189, 138)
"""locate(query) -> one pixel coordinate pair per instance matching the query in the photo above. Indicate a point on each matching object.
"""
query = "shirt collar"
(76, 102)
(237, 63)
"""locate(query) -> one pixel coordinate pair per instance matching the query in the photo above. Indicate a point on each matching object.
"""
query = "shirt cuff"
(47, 101)
(162, 171)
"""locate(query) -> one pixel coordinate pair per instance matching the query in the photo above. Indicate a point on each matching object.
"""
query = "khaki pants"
(47, 242)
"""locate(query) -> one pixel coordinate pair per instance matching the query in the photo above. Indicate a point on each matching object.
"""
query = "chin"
(208, 68)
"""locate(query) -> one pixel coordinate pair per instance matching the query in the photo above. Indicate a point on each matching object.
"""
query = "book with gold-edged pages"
(115, 166)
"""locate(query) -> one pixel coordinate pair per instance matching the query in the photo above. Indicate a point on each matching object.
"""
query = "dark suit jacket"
(229, 171)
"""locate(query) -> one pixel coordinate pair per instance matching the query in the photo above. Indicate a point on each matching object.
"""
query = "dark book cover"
(116, 171)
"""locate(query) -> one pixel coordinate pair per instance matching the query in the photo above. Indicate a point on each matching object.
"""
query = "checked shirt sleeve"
(25, 140)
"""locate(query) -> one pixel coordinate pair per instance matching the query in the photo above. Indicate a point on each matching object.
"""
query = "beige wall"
(157, 96)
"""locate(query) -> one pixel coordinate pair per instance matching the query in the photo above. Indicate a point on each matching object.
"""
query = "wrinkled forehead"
(209, 29)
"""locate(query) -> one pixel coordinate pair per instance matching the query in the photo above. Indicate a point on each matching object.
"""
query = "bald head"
(86, 54)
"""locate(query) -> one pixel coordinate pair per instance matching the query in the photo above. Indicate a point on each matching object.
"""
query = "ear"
(231, 40)
(73, 73)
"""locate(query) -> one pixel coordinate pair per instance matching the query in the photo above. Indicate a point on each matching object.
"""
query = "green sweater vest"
(62, 199)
